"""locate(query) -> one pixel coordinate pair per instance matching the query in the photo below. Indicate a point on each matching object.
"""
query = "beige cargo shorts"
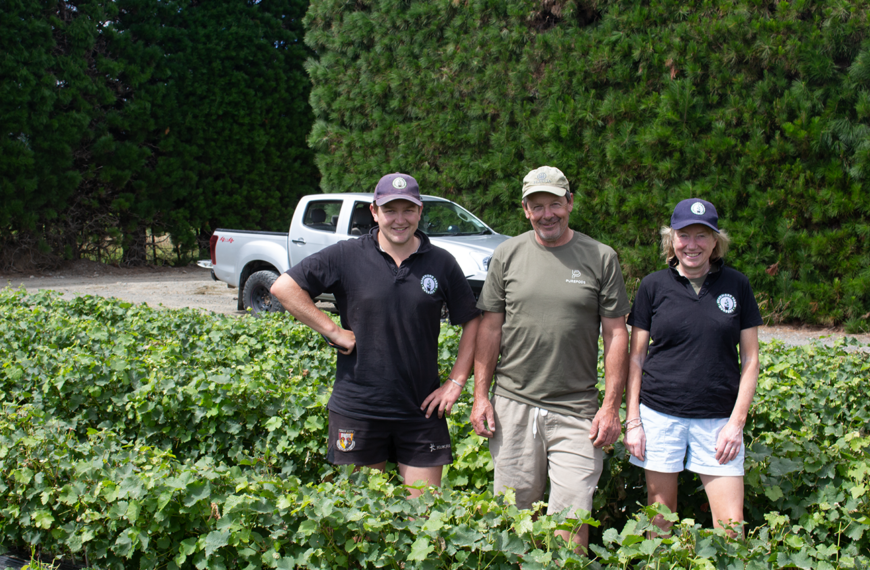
(532, 445)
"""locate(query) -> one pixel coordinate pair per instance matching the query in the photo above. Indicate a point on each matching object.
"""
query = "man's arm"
(298, 303)
(606, 426)
(444, 397)
(485, 359)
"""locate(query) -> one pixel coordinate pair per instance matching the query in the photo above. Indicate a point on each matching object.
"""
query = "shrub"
(761, 108)
(131, 437)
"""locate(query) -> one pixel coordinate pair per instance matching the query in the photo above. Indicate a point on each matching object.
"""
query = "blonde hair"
(719, 251)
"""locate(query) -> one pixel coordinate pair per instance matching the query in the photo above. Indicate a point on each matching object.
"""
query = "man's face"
(397, 220)
(549, 215)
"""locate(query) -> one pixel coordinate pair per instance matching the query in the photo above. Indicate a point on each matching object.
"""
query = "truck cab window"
(361, 220)
(441, 218)
(322, 215)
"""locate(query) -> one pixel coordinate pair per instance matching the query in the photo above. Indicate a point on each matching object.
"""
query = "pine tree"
(760, 108)
(129, 117)
(50, 96)
(221, 104)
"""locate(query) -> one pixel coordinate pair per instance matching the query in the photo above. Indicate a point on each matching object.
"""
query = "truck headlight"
(486, 263)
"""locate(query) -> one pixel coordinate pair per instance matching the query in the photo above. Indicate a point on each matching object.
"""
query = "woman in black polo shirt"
(688, 395)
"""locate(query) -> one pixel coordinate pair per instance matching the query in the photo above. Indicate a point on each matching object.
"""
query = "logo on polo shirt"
(399, 183)
(429, 284)
(345, 440)
(726, 303)
(698, 209)
(575, 278)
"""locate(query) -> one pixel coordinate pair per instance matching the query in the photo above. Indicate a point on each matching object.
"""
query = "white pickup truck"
(252, 260)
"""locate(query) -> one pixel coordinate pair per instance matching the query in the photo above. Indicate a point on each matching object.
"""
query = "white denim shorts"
(674, 444)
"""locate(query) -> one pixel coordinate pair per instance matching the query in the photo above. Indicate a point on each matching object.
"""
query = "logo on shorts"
(399, 183)
(429, 284)
(433, 448)
(345, 440)
(698, 209)
(727, 303)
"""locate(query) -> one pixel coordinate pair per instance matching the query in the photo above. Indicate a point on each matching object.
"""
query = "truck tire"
(257, 295)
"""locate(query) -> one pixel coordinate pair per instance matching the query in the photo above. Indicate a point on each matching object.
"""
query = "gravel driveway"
(175, 288)
(169, 287)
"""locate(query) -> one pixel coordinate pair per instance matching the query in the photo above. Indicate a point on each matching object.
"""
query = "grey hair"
(722, 243)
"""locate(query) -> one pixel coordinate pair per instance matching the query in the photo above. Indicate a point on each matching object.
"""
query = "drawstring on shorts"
(543, 412)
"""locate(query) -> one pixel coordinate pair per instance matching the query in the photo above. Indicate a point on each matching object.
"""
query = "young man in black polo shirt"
(389, 287)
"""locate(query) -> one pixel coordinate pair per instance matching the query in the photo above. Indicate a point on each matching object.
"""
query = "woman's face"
(693, 245)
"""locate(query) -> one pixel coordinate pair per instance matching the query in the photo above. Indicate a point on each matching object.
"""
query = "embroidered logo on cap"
(726, 303)
(698, 209)
(542, 177)
(399, 183)
(429, 284)
(345, 440)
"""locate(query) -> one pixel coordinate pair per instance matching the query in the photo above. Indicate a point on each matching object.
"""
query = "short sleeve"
(492, 297)
(641, 311)
(319, 272)
(612, 298)
(750, 316)
(460, 297)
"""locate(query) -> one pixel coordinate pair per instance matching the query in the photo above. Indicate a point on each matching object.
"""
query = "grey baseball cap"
(397, 186)
(545, 179)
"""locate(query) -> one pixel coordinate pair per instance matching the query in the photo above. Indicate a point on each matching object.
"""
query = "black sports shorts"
(415, 443)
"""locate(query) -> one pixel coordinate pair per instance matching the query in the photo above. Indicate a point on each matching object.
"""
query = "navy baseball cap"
(695, 211)
(397, 186)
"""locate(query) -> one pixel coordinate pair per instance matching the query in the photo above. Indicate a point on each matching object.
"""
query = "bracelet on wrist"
(632, 427)
(457, 383)
(631, 421)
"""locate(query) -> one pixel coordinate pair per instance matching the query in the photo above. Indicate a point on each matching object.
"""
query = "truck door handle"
(300, 241)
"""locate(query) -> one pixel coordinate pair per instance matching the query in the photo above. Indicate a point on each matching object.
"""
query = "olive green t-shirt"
(552, 299)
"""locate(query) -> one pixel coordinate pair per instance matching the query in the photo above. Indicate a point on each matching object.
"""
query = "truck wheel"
(257, 295)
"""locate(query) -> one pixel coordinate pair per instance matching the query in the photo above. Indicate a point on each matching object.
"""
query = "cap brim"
(551, 189)
(692, 223)
(384, 199)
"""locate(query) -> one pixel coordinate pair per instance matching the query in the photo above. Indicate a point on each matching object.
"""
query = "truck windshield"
(449, 219)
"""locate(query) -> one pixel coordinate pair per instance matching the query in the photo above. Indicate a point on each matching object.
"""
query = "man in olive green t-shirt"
(546, 295)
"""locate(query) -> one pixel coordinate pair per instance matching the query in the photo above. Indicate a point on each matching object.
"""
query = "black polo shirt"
(395, 314)
(692, 368)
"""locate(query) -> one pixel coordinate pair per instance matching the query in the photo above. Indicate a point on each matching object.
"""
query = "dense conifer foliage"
(761, 108)
(126, 117)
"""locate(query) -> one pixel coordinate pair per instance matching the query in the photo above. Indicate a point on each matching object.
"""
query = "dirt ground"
(168, 287)
(180, 287)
